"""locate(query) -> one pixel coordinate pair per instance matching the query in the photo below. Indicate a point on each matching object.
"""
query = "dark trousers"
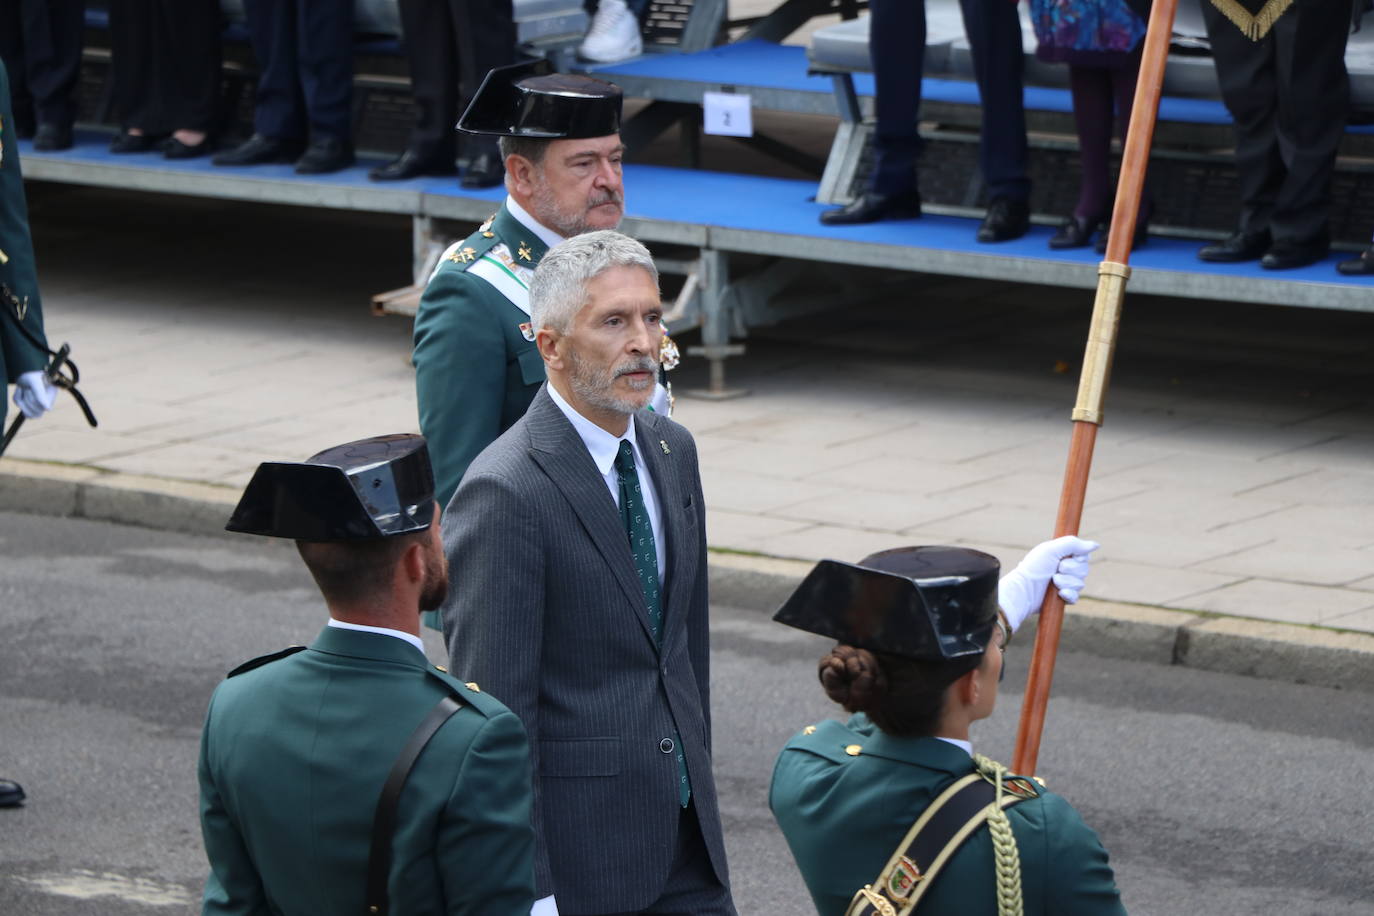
(994, 36)
(451, 44)
(693, 888)
(305, 60)
(897, 39)
(1288, 94)
(897, 43)
(40, 42)
(165, 63)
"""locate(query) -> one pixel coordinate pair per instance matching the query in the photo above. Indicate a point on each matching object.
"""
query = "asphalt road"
(1214, 794)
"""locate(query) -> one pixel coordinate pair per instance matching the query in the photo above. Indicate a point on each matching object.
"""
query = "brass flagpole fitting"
(1097, 356)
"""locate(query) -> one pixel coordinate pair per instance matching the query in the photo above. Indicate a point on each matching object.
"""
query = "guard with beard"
(353, 776)
(476, 366)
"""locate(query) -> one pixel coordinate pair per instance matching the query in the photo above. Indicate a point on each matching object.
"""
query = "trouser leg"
(897, 41)
(279, 111)
(325, 35)
(994, 35)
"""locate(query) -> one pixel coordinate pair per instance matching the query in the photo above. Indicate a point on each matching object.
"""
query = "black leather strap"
(384, 820)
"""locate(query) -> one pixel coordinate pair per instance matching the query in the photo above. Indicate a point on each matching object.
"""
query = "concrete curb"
(1210, 642)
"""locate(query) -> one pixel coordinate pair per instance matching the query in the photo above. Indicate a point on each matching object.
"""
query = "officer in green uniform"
(476, 365)
(353, 774)
(919, 658)
(23, 357)
(22, 360)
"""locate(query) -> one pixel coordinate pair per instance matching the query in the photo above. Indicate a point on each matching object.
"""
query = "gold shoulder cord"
(1006, 856)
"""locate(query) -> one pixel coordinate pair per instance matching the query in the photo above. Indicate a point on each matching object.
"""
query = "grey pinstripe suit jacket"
(546, 612)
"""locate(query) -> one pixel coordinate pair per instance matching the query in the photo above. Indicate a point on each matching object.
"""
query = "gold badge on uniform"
(525, 251)
(1020, 787)
(527, 331)
(905, 876)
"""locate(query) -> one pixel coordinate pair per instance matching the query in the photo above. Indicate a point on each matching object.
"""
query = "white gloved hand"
(1065, 560)
(34, 395)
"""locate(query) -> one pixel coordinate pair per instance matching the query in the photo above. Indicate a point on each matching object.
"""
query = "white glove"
(34, 395)
(1065, 560)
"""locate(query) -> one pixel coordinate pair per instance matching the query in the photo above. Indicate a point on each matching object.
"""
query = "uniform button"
(666, 745)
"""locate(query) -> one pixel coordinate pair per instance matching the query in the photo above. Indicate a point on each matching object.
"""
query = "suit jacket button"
(666, 745)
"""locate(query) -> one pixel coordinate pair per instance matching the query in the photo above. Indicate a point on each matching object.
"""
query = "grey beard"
(594, 386)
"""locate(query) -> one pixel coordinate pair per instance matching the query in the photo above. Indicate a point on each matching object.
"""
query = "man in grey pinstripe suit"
(601, 649)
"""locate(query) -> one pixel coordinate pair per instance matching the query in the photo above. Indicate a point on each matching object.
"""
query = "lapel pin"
(664, 445)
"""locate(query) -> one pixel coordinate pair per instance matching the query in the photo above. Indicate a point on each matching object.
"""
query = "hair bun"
(853, 678)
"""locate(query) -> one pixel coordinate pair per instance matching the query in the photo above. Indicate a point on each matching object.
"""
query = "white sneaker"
(613, 35)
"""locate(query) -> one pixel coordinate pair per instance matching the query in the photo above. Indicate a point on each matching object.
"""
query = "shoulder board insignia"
(486, 223)
(263, 660)
(1020, 786)
(441, 668)
(471, 685)
(809, 730)
(854, 750)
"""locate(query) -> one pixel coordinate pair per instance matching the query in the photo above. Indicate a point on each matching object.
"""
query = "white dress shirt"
(603, 448)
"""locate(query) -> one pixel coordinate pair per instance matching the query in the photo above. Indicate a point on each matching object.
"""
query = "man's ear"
(548, 341)
(521, 174)
(413, 561)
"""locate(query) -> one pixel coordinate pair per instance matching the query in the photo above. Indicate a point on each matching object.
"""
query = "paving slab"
(1233, 475)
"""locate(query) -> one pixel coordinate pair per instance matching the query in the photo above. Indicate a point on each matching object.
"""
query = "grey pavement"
(1234, 474)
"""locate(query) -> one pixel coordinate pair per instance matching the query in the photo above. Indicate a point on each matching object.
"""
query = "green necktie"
(635, 516)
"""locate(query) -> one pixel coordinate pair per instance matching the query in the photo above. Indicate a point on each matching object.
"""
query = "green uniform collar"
(361, 644)
(525, 247)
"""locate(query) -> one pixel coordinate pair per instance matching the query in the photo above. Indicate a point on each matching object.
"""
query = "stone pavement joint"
(1230, 645)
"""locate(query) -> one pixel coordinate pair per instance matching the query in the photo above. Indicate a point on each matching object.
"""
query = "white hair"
(558, 290)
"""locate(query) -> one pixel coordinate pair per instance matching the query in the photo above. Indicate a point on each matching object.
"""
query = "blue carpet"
(718, 199)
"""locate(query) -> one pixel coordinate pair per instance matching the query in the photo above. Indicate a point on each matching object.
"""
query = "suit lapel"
(561, 454)
(678, 551)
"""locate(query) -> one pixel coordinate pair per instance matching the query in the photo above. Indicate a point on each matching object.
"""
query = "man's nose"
(606, 176)
(642, 341)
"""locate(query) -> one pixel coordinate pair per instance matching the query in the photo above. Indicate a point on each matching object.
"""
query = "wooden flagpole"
(1113, 273)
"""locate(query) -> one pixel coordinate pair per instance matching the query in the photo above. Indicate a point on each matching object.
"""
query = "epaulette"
(263, 660)
(467, 252)
(470, 694)
(1020, 786)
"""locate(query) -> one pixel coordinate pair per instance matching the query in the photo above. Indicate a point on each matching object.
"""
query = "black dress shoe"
(11, 794)
(412, 164)
(325, 155)
(871, 206)
(1236, 247)
(485, 170)
(257, 150)
(1008, 218)
(125, 142)
(1075, 233)
(1363, 266)
(172, 148)
(1286, 254)
(52, 137)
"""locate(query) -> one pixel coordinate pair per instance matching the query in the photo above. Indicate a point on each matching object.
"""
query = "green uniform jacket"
(294, 756)
(17, 354)
(475, 372)
(844, 815)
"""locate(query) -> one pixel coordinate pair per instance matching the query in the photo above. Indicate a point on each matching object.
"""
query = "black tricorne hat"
(371, 488)
(531, 100)
(925, 603)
